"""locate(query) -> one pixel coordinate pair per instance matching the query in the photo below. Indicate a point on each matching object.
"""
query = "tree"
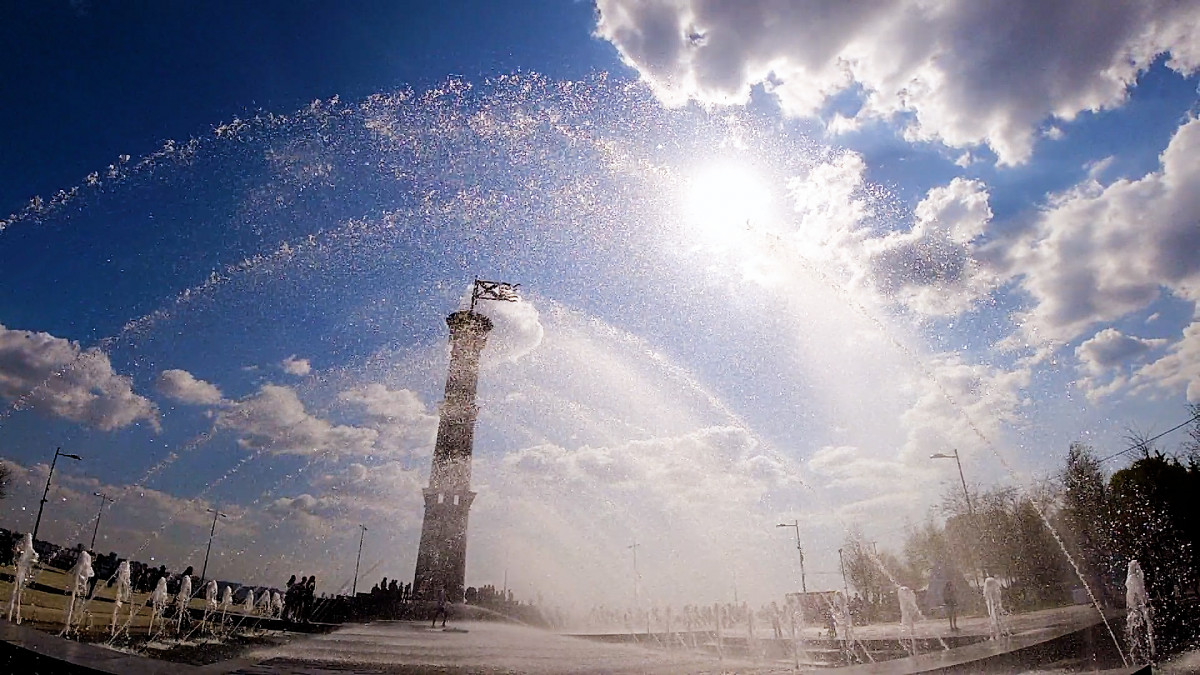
(862, 568)
(5, 477)
(1152, 520)
(925, 547)
(1154, 523)
(1085, 516)
(1038, 568)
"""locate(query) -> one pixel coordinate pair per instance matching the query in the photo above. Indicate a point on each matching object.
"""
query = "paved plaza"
(485, 648)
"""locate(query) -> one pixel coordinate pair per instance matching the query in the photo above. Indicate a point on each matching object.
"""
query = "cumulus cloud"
(275, 419)
(957, 402)
(158, 526)
(963, 73)
(404, 423)
(1110, 348)
(387, 492)
(294, 366)
(932, 267)
(56, 377)
(184, 387)
(678, 473)
(1099, 252)
(702, 497)
(848, 466)
(1178, 369)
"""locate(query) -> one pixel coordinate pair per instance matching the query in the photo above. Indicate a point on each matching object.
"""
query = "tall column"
(442, 557)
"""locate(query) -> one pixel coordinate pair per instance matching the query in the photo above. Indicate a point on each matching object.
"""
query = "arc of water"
(125, 168)
(949, 398)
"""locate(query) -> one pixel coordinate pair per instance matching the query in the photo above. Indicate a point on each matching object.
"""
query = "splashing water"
(122, 594)
(158, 602)
(1139, 626)
(26, 558)
(77, 579)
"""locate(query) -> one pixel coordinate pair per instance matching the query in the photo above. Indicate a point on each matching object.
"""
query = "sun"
(721, 201)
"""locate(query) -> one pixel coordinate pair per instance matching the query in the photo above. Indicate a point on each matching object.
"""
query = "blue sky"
(770, 263)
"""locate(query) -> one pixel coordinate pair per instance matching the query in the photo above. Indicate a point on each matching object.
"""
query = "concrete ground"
(926, 629)
(483, 648)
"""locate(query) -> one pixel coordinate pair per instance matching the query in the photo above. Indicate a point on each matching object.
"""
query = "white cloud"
(932, 267)
(275, 419)
(848, 466)
(54, 376)
(153, 524)
(1110, 348)
(294, 366)
(383, 493)
(958, 402)
(1100, 252)
(1104, 358)
(1178, 369)
(184, 387)
(698, 501)
(967, 72)
(404, 424)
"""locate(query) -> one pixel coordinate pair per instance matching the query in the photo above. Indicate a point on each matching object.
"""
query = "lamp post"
(796, 526)
(213, 531)
(103, 498)
(361, 535)
(57, 453)
(636, 577)
(966, 495)
(842, 565)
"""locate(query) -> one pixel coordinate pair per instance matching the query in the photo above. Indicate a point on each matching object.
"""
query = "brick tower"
(442, 557)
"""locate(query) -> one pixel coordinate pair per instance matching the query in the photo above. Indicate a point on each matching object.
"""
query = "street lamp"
(213, 531)
(796, 526)
(57, 453)
(842, 565)
(636, 577)
(103, 498)
(939, 455)
(354, 588)
(966, 495)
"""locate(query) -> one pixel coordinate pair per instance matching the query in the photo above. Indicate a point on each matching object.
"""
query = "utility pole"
(795, 524)
(636, 577)
(103, 498)
(57, 453)
(354, 588)
(970, 507)
(845, 586)
(213, 531)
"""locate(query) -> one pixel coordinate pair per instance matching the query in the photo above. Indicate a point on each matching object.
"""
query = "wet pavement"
(486, 648)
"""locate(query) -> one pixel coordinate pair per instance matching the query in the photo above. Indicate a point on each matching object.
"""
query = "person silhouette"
(951, 602)
(441, 608)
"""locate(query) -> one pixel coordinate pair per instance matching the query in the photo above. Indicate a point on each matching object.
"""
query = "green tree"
(1038, 566)
(1153, 521)
(1085, 517)
(863, 569)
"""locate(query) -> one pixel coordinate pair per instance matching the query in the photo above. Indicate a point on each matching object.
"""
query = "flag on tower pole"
(494, 290)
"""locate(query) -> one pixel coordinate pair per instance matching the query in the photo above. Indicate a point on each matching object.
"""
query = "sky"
(772, 256)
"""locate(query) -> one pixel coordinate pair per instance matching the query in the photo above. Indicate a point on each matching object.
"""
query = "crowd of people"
(299, 599)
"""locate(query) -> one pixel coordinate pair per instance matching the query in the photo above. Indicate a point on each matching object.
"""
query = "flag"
(494, 290)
